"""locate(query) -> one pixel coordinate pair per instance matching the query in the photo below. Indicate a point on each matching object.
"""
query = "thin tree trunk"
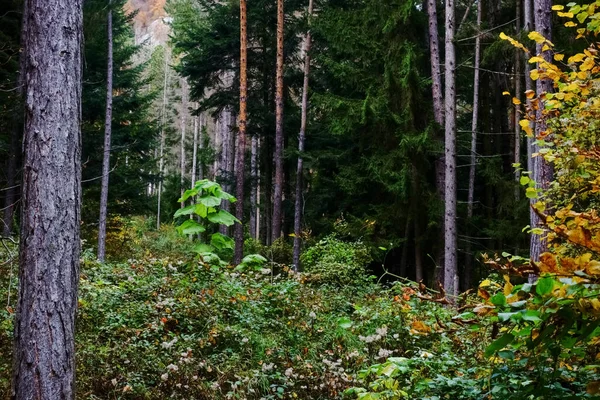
(44, 341)
(528, 26)
(473, 158)
(450, 237)
(195, 151)
(241, 145)
(184, 111)
(254, 187)
(518, 95)
(542, 171)
(278, 191)
(161, 162)
(298, 207)
(107, 142)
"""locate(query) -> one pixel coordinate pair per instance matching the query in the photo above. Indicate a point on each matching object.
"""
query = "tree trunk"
(542, 171)
(278, 191)
(241, 145)
(518, 95)
(183, 118)
(473, 158)
(44, 346)
(195, 151)
(107, 140)
(298, 207)
(161, 162)
(254, 188)
(528, 26)
(450, 242)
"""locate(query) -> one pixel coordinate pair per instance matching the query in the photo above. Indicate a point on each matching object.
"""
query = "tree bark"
(44, 347)
(518, 95)
(436, 73)
(107, 142)
(298, 206)
(183, 119)
(450, 236)
(161, 155)
(473, 158)
(254, 188)
(241, 145)
(279, 140)
(528, 26)
(543, 172)
(195, 151)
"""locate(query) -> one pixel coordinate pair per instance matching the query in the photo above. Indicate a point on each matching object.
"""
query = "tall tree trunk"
(183, 118)
(528, 26)
(161, 162)
(542, 171)
(438, 113)
(450, 242)
(107, 141)
(298, 207)
(473, 158)
(518, 95)
(44, 345)
(241, 145)
(278, 191)
(254, 185)
(195, 151)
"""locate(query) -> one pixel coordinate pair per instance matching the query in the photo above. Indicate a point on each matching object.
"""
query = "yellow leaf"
(570, 24)
(533, 35)
(587, 64)
(534, 74)
(516, 101)
(505, 93)
(503, 36)
(530, 94)
(558, 7)
(485, 283)
(576, 58)
(582, 75)
(565, 14)
(535, 59)
(593, 268)
(559, 57)
(546, 47)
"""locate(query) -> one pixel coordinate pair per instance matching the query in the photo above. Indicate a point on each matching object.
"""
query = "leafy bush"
(336, 262)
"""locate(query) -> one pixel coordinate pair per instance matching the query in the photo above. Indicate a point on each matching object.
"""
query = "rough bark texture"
(183, 119)
(278, 190)
(298, 207)
(528, 26)
(450, 242)
(518, 95)
(542, 171)
(473, 158)
(107, 140)
(436, 73)
(241, 145)
(254, 185)
(163, 124)
(44, 362)
(195, 151)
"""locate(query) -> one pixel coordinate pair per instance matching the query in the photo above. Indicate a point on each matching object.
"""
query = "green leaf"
(221, 242)
(201, 210)
(344, 322)
(209, 201)
(190, 227)
(499, 299)
(223, 218)
(184, 211)
(499, 344)
(389, 369)
(524, 180)
(254, 259)
(203, 248)
(187, 194)
(531, 193)
(503, 317)
(544, 286)
(532, 316)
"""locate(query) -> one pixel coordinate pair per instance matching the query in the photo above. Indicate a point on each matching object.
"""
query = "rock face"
(151, 23)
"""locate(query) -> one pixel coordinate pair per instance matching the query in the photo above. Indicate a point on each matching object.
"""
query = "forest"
(299, 199)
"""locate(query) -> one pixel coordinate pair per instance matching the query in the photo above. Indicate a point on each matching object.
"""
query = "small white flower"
(245, 340)
(164, 376)
(172, 367)
(312, 315)
(425, 354)
(114, 381)
(265, 271)
(382, 331)
(289, 372)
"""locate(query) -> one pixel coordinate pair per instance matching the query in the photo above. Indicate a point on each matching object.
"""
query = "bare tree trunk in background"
(543, 172)
(450, 237)
(195, 151)
(518, 95)
(416, 189)
(107, 141)
(183, 118)
(298, 206)
(161, 162)
(44, 339)
(241, 145)
(438, 113)
(528, 26)
(474, 127)
(279, 141)
(228, 161)
(254, 188)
